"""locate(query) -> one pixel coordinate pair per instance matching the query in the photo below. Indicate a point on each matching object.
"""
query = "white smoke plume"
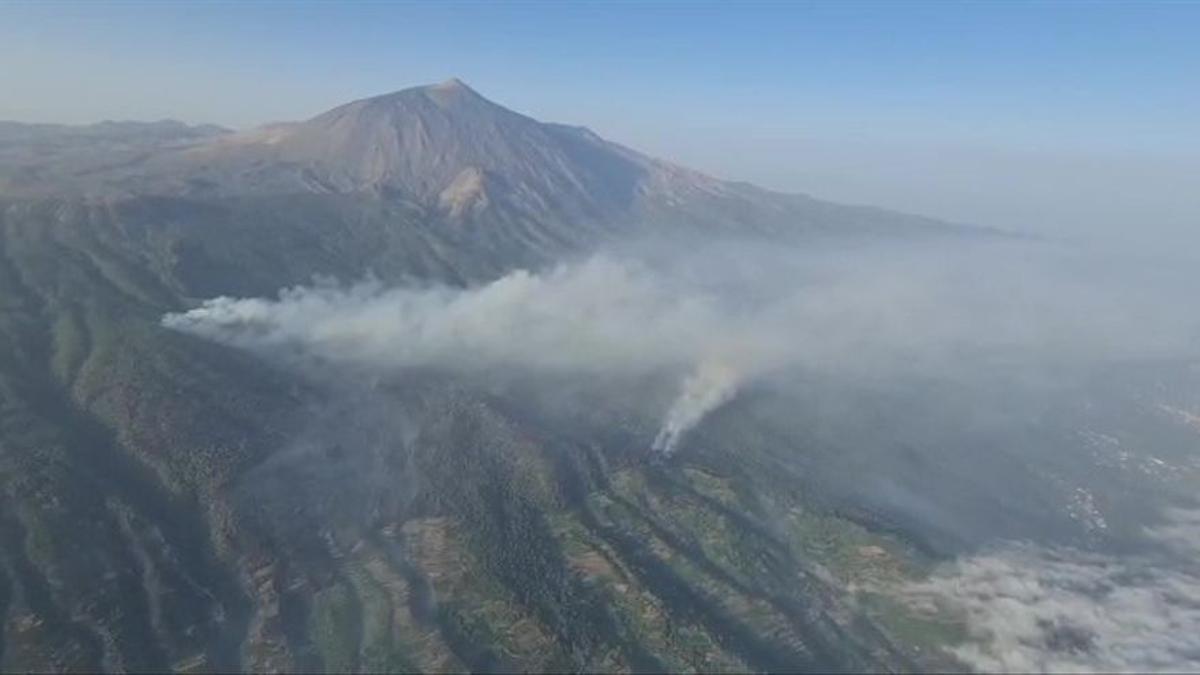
(596, 317)
(601, 317)
(715, 319)
(1031, 609)
(708, 388)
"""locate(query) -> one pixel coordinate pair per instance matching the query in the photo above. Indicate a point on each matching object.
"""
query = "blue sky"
(761, 91)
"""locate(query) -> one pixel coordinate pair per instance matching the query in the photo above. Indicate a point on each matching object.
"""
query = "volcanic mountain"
(450, 155)
(167, 503)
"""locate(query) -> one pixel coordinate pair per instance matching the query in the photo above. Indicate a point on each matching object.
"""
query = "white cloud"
(1031, 609)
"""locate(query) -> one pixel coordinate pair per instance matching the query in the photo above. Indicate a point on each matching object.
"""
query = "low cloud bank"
(1030, 609)
(716, 317)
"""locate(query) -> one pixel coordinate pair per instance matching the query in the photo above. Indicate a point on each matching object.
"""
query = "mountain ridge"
(453, 154)
(242, 516)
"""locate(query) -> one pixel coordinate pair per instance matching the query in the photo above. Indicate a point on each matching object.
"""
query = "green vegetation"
(335, 627)
(140, 529)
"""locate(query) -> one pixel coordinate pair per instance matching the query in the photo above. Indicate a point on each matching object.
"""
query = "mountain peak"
(442, 93)
(450, 91)
(452, 84)
(447, 147)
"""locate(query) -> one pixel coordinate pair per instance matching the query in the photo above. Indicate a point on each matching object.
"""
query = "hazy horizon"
(1024, 117)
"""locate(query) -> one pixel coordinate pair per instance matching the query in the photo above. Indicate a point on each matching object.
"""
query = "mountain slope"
(167, 503)
(456, 158)
(242, 518)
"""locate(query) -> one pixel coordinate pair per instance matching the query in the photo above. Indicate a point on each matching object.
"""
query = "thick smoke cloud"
(718, 317)
(601, 317)
(708, 322)
(1030, 609)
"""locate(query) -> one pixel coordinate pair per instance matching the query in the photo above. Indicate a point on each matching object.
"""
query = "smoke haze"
(720, 316)
(1001, 320)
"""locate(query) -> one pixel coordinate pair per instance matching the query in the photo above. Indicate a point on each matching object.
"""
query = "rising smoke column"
(713, 384)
